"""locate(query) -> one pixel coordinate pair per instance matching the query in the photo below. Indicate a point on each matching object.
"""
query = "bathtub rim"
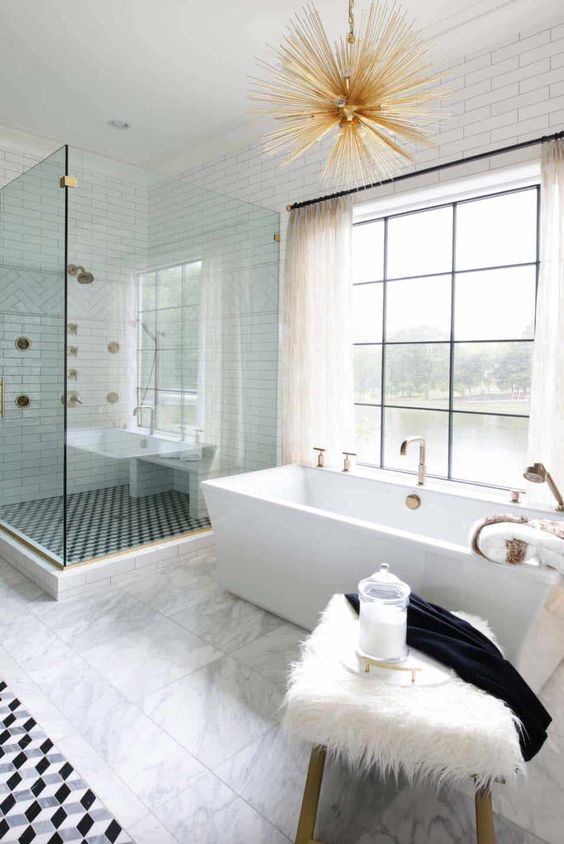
(232, 484)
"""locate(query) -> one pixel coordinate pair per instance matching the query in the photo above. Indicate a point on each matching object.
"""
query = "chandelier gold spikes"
(372, 93)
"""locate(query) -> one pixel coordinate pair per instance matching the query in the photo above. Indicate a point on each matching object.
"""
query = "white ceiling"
(177, 70)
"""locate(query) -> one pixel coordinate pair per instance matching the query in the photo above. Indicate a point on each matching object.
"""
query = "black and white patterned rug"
(42, 798)
(102, 521)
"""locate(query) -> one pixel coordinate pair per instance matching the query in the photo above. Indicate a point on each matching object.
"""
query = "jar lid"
(383, 586)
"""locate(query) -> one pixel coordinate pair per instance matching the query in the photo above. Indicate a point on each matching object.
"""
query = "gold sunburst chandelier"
(372, 90)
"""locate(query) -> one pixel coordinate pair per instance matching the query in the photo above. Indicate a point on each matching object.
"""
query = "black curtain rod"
(435, 169)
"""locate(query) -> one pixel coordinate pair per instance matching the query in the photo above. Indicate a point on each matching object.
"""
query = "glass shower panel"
(32, 361)
(174, 311)
(108, 215)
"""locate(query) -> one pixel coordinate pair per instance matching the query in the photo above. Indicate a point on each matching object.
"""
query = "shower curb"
(90, 576)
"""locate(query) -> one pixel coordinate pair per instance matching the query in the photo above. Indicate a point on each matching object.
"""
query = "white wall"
(499, 96)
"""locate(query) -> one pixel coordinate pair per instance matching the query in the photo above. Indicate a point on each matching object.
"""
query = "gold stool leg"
(484, 817)
(310, 800)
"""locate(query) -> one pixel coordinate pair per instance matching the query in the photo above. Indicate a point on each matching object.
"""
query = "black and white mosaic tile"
(102, 521)
(42, 798)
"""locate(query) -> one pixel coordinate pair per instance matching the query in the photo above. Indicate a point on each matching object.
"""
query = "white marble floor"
(164, 692)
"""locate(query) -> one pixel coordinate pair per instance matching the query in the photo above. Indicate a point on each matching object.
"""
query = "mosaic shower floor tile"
(102, 521)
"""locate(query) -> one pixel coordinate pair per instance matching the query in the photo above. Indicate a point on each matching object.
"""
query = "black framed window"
(444, 304)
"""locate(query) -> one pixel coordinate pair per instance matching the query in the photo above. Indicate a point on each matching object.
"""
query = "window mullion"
(383, 373)
(451, 364)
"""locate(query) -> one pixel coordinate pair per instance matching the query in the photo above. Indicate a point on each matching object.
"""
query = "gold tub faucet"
(422, 468)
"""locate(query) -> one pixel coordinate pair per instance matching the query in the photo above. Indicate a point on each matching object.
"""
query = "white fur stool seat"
(448, 732)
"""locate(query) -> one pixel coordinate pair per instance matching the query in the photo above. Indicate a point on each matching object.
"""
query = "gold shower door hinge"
(68, 181)
(277, 237)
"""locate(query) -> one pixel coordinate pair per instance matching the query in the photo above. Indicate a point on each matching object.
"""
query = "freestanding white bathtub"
(288, 538)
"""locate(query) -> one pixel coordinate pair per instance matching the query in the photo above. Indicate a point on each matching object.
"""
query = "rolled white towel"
(510, 539)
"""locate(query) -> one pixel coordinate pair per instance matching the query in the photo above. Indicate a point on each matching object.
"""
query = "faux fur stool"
(441, 733)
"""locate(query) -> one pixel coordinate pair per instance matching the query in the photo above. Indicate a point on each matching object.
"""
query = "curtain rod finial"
(288, 208)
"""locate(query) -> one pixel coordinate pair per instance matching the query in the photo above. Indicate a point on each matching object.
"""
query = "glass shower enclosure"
(138, 357)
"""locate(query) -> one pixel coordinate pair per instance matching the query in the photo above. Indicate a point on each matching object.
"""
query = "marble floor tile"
(270, 774)
(272, 655)
(208, 812)
(90, 620)
(153, 765)
(216, 711)
(173, 587)
(150, 658)
(18, 595)
(150, 830)
(227, 622)
(28, 639)
(9, 574)
(52, 720)
(8, 665)
(123, 691)
(110, 788)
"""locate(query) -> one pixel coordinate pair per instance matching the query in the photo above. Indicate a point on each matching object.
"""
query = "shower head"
(82, 275)
(536, 473)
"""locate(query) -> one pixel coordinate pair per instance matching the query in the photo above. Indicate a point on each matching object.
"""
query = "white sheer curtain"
(546, 426)
(220, 415)
(317, 379)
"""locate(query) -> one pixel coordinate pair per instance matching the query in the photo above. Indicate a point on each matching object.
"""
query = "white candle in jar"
(382, 630)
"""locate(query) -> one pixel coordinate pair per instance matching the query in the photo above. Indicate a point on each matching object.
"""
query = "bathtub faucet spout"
(422, 468)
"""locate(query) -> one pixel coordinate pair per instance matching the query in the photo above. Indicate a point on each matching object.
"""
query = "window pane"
(169, 288)
(495, 305)
(147, 368)
(169, 325)
(191, 328)
(417, 374)
(492, 377)
(418, 309)
(368, 374)
(496, 231)
(368, 251)
(367, 313)
(400, 424)
(420, 243)
(147, 291)
(368, 434)
(190, 407)
(142, 418)
(168, 411)
(170, 369)
(489, 449)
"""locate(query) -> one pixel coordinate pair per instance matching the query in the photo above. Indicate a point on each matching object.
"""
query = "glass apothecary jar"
(383, 616)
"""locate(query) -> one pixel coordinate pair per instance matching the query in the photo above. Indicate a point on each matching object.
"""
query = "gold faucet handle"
(320, 456)
(347, 460)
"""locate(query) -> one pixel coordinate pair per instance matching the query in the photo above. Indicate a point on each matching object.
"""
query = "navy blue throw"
(457, 644)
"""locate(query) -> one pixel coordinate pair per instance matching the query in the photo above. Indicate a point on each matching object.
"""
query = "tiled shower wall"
(108, 236)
